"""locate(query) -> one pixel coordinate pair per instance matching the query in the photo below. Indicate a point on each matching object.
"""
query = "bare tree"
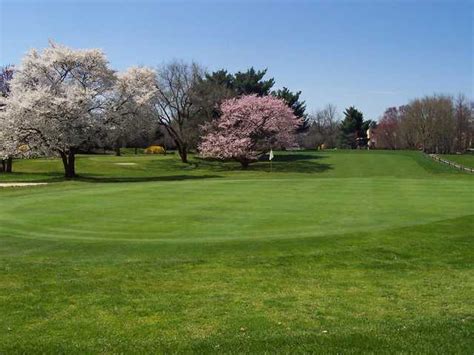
(432, 119)
(324, 128)
(174, 106)
(434, 124)
(388, 129)
(464, 123)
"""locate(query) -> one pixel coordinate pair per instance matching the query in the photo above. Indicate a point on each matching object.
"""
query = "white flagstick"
(270, 157)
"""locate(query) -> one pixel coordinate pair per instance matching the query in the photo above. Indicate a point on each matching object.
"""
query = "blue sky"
(371, 54)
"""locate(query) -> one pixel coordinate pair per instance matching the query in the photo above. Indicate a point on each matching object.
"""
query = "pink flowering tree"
(248, 127)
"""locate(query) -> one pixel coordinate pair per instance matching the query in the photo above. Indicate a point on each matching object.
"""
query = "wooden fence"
(450, 163)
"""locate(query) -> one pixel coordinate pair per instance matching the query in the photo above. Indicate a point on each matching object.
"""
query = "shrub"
(155, 149)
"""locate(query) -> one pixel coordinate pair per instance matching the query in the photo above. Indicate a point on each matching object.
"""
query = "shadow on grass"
(116, 179)
(292, 157)
(285, 163)
(304, 167)
(32, 177)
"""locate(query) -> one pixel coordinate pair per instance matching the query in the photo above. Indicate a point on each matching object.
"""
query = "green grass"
(333, 252)
(463, 159)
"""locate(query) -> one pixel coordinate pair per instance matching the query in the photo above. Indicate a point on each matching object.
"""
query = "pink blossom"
(248, 127)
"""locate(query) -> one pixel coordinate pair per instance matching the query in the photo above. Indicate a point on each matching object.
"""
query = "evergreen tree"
(220, 78)
(213, 88)
(251, 82)
(292, 99)
(353, 131)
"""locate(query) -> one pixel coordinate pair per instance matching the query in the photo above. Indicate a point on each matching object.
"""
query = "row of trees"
(326, 129)
(191, 97)
(62, 101)
(434, 124)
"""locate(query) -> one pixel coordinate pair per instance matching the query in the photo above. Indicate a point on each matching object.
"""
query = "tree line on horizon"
(439, 124)
(62, 101)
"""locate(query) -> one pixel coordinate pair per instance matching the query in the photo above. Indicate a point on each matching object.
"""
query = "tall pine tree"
(353, 134)
(251, 82)
(292, 99)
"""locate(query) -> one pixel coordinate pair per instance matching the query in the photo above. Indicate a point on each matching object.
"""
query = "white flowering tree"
(58, 101)
(11, 144)
(131, 109)
(7, 137)
(7, 143)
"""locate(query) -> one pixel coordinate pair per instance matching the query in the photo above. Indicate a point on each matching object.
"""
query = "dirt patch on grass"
(21, 184)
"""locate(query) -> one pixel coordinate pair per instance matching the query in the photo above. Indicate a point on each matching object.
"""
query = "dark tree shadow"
(283, 162)
(291, 157)
(304, 167)
(48, 177)
(116, 179)
(286, 162)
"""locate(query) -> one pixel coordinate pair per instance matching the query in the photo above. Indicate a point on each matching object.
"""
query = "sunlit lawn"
(463, 159)
(343, 251)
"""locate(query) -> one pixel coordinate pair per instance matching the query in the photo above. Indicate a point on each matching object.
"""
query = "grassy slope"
(333, 252)
(464, 159)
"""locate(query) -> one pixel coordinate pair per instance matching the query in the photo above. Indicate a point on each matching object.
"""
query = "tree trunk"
(182, 147)
(244, 164)
(136, 150)
(118, 153)
(183, 153)
(69, 163)
(184, 156)
(9, 165)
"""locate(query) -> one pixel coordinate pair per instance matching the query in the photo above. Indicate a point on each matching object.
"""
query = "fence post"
(449, 163)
